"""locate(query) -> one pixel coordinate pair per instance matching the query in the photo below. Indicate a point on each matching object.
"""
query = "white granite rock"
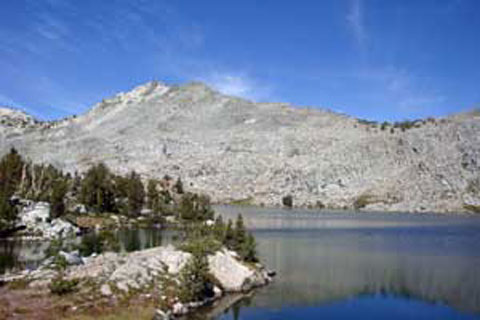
(36, 218)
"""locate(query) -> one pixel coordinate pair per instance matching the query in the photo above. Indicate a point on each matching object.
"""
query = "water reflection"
(18, 254)
(370, 307)
(325, 258)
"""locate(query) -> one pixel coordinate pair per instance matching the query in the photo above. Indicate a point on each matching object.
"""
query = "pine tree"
(248, 250)
(136, 194)
(240, 234)
(152, 195)
(97, 189)
(219, 229)
(229, 240)
(194, 280)
(11, 168)
(179, 186)
(57, 197)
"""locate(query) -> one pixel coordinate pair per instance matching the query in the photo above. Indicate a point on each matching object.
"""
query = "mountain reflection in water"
(373, 264)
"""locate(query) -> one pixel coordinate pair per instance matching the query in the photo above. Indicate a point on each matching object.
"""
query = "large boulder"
(35, 214)
(234, 275)
(36, 218)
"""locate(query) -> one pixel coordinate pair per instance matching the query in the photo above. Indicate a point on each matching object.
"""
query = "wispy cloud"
(152, 32)
(239, 85)
(355, 20)
(403, 90)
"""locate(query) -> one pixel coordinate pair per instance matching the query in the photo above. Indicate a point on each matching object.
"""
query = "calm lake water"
(18, 254)
(337, 265)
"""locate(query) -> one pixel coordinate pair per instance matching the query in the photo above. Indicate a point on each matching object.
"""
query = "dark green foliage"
(62, 286)
(57, 198)
(229, 235)
(243, 242)
(362, 201)
(219, 228)
(11, 167)
(203, 240)
(152, 194)
(100, 242)
(319, 205)
(8, 213)
(287, 201)
(179, 186)
(472, 208)
(248, 249)
(60, 262)
(135, 195)
(195, 207)
(55, 246)
(201, 244)
(240, 233)
(195, 281)
(97, 189)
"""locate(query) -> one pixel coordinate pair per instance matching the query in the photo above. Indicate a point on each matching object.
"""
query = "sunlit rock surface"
(235, 149)
(36, 218)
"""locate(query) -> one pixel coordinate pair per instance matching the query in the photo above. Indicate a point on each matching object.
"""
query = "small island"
(85, 272)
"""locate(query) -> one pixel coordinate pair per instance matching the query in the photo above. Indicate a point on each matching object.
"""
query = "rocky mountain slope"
(235, 149)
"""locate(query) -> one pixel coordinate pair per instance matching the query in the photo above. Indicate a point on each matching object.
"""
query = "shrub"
(195, 207)
(248, 249)
(179, 186)
(319, 205)
(472, 208)
(62, 286)
(201, 245)
(287, 201)
(362, 201)
(195, 281)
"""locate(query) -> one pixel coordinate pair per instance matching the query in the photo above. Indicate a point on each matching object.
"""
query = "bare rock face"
(232, 274)
(234, 149)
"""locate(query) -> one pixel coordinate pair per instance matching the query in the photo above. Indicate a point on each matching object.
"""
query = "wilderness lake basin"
(343, 265)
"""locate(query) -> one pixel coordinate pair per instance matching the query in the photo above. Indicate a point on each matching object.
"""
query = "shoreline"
(115, 280)
(459, 213)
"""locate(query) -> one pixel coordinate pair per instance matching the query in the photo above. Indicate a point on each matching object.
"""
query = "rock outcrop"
(119, 274)
(235, 149)
(235, 276)
(36, 218)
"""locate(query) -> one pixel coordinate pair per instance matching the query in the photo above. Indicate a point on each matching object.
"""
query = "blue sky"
(373, 59)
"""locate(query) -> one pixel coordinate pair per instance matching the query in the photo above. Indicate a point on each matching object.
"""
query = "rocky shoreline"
(116, 277)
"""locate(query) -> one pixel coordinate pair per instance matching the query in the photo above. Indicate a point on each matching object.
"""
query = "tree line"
(99, 189)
